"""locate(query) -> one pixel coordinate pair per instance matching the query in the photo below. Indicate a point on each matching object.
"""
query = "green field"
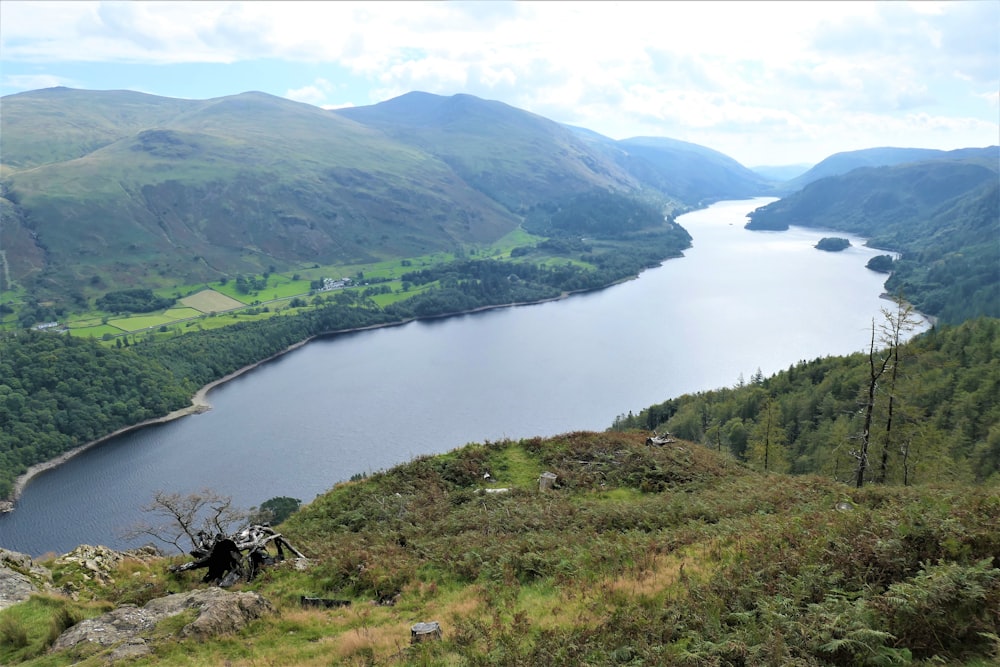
(219, 304)
(97, 331)
(140, 322)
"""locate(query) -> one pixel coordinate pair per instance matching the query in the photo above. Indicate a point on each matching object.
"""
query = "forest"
(935, 415)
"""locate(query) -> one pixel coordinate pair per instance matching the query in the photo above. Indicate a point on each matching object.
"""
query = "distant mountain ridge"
(842, 163)
(128, 189)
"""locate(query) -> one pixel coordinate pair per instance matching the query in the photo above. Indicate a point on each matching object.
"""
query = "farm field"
(219, 304)
(209, 300)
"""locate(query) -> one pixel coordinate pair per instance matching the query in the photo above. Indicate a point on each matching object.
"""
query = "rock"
(14, 587)
(101, 561)
(129, 629)
(20, 578)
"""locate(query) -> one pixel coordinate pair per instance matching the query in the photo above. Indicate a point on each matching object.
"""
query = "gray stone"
(20, 577)
(128, 629)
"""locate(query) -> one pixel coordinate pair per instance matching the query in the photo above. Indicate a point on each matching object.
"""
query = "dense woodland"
(138, 300)
(58, 392)
(944, 424)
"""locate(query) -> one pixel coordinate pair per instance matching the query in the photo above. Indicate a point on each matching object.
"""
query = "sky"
(766, 83)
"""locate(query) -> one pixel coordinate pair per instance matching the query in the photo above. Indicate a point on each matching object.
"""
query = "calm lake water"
(361, 402)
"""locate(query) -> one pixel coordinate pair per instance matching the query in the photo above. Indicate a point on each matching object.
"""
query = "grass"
(204, 306)
(669, 555)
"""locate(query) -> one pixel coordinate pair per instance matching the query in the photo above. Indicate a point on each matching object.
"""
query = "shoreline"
(200, 403)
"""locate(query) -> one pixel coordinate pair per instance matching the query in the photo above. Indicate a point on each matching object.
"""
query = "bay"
(360, 402)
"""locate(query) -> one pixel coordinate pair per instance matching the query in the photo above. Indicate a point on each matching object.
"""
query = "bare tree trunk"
(875, 371)
(896, 325)
(884, 465)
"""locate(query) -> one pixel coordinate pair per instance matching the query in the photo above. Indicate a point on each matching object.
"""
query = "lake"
(360, 402)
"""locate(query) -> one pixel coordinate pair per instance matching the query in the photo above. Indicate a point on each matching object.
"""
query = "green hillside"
(941, 215)
(639, 555)
(517, 158)
(222, 187)
(935, 413)
(116, 190)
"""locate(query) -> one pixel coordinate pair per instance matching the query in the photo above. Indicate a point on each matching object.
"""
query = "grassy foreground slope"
(640, 555)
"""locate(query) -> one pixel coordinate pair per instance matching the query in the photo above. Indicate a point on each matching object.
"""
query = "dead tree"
(188, 518)
(895, 327)
(236, 557)
(876, 368)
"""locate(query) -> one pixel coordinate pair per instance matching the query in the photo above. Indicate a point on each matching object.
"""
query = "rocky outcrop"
(20, 578)
(127, 630)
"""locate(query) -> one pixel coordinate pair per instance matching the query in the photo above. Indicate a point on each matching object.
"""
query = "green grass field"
(97, 331)
(167, 317)
(215, 305)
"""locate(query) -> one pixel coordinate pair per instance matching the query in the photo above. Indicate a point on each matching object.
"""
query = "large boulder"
(20, 578)
(128, 629)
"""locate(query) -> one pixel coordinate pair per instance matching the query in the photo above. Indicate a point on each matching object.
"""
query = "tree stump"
(547, 480)
(423, 632)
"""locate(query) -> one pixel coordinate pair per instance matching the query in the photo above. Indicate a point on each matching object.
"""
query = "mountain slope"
(116, 189)
(671, 555)
(58, 124)
(516, 157)
(198, 190)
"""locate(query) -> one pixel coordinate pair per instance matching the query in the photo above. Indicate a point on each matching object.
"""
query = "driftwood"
(239, 556)
(658, 440)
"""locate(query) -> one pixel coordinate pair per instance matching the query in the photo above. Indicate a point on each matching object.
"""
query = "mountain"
(940, 214)
(516, 157)
(841, 163)
(118, 189)
(195, 190)
(693, 174)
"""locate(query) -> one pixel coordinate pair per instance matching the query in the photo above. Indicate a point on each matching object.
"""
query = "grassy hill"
(517, 158)
(105, 190)
(206, 189)
(640, 555)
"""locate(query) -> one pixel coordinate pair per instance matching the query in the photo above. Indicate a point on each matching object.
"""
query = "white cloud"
(802, 71)
(36, 81)
(315, 93)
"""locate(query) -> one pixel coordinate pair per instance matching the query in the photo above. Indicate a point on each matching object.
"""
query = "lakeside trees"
(58, 392)
(935, 411)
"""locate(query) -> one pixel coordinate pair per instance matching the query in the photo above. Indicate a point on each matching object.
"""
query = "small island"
(833, 244)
